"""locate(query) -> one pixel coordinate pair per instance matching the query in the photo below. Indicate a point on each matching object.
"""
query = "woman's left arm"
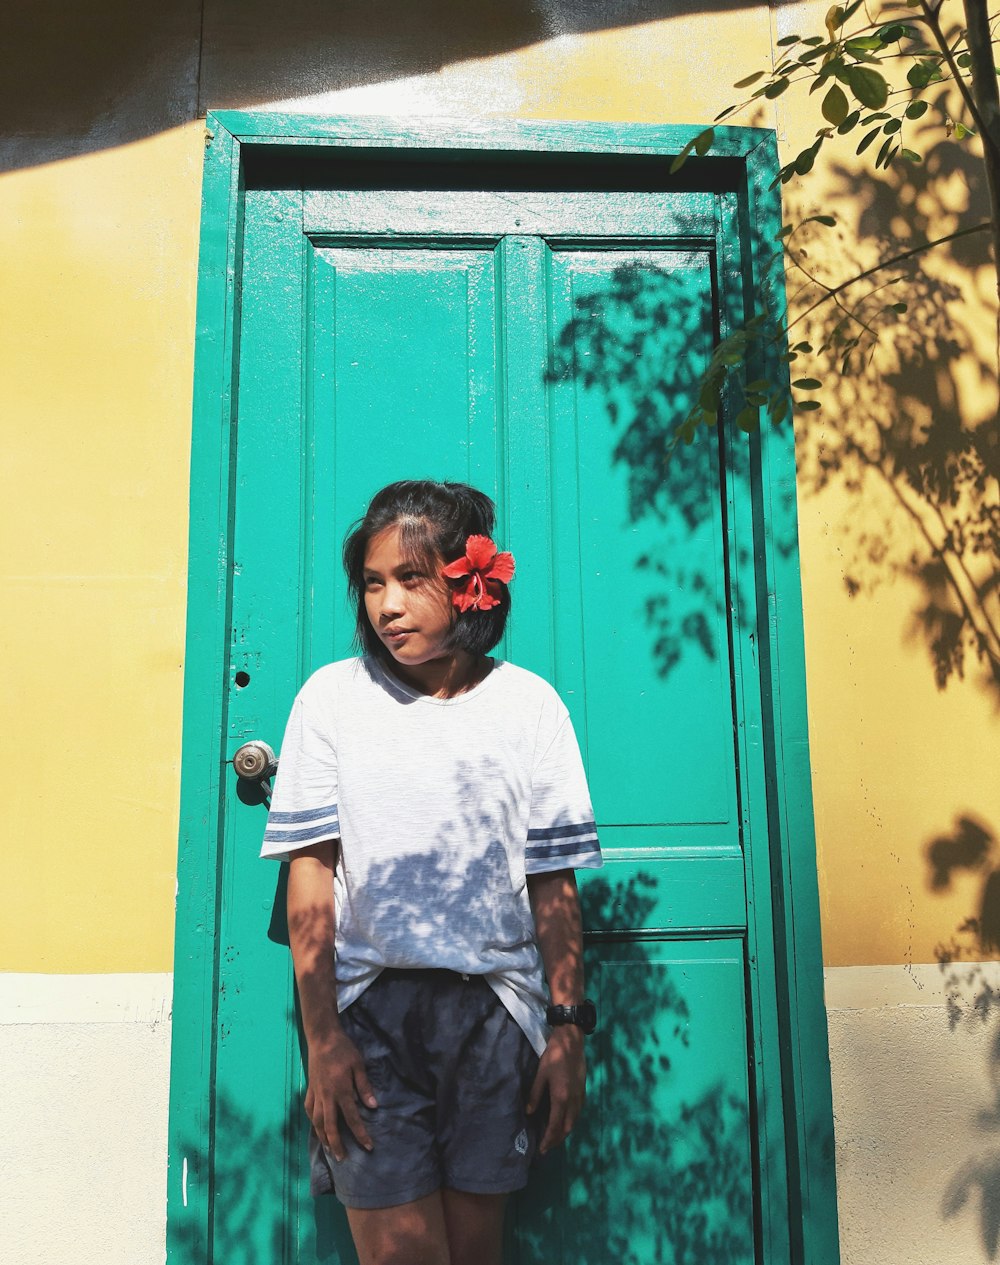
(562, 1069)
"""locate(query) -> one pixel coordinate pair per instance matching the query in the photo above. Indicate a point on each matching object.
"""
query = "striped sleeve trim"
(315, 826)
(564, 832)
(562, 848)
(307, 814)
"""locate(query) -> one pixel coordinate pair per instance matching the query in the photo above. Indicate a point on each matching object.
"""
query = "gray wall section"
(79, 77)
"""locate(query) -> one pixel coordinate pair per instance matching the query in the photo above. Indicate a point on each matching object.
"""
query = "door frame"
(743, 162)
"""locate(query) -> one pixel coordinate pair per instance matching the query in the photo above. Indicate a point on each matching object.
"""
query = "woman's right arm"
(337, 1077)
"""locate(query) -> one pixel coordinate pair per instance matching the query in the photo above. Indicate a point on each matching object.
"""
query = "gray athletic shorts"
(451, 1071)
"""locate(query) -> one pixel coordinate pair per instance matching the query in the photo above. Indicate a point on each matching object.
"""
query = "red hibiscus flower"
(483, 570)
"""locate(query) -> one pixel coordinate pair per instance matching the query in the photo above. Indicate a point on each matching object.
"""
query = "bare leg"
(475, 1227)
(408, 1234)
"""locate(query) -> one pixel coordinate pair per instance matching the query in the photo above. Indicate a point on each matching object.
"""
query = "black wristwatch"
(584, 1016)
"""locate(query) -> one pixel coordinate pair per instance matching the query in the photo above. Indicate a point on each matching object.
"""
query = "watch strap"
(582, 1016)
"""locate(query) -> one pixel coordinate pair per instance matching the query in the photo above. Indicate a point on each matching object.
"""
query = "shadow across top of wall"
(80, 78)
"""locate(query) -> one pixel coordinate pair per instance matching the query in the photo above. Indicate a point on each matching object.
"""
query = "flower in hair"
(483, 571)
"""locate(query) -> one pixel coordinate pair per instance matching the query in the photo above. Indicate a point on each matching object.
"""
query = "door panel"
(640, 644)
(401, 381)
(381, 348)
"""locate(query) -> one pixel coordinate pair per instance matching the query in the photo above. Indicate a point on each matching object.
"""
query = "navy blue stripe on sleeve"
(307, 814)
(322, 831)
(564, 832)
(574, 848)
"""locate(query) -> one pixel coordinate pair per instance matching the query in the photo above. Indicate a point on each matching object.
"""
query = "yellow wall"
(99, 267)
(98, 283)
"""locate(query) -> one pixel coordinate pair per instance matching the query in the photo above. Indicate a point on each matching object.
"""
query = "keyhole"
(242, 679)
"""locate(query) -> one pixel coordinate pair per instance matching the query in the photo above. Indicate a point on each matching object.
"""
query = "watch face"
(583, 1016)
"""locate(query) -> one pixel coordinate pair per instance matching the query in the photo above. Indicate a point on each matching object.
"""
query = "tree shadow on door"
(632, 352)
(652, 1173)
(659, 1167)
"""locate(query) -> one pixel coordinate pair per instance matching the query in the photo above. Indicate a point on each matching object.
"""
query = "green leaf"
(863, 43)
(898, 307)
(747, 421)
(923, 73)
(869, 86)
(807, 384)
(785, 230)
(916, 109)
(867, 139)
(814, 40)
(749, 80)
(835, 106)
(807, 406)
(779, 408)
(703, 141)
(886, 153)
(759, 384)
(892, 127)
(877, 117)
(804, 162)
(850, 123)
(681, 158)
(805, 347)
(832, 65)
(911, 155)
(786, 40)
(964, 60)
(776, 88)
(894, 32)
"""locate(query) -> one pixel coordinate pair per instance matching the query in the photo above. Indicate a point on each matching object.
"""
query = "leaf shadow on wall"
(907, 430)
(908, 425)
(972, 996)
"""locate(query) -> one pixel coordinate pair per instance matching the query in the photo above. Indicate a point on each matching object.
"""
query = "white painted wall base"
(83, 1116)
(916, 1092)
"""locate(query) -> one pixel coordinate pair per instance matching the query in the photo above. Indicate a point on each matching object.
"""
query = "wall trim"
(140, 997)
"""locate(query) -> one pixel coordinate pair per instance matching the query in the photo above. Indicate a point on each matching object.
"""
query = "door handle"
(256, 762)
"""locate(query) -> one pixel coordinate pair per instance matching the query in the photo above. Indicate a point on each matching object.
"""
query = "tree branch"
(984, 227)
(972, 39)
(984, 83)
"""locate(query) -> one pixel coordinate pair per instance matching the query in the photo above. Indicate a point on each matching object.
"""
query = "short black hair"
(435, 521)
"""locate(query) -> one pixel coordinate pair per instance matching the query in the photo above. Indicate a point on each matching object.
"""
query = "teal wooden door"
(540, 344)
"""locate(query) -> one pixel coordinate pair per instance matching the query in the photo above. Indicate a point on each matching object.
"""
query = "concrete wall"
(99, 197)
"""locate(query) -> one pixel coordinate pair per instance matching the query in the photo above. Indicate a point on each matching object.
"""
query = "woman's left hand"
(562, 1071)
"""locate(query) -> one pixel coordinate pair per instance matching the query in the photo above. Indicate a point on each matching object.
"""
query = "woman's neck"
(444, 678)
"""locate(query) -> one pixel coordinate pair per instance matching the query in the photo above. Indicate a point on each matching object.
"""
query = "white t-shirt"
(442, 807)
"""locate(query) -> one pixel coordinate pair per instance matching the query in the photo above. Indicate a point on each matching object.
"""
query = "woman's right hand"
(338, 1082)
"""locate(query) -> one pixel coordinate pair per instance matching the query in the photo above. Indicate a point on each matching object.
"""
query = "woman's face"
(410, 609)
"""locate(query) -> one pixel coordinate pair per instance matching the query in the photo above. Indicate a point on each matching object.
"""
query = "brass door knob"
(255, 761)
